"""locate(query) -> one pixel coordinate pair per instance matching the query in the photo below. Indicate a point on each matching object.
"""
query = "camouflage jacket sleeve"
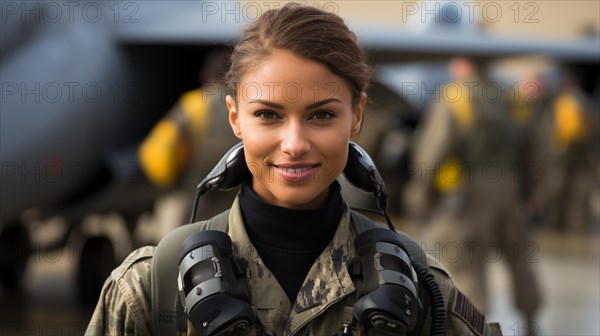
(124, 304)
(462, 317)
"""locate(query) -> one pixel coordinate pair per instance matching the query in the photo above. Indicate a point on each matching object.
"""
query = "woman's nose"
(294, 141)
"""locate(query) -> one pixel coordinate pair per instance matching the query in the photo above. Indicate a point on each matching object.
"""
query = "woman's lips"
(296, 172)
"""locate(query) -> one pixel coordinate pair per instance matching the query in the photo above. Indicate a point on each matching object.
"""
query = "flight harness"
(168, 317)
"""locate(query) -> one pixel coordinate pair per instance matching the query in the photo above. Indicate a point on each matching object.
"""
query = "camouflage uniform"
(322, 304)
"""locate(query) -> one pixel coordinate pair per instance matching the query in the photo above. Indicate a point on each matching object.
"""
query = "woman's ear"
(357, 117)
(233, 116)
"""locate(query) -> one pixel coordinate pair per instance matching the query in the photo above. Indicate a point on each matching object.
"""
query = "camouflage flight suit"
(320, 307)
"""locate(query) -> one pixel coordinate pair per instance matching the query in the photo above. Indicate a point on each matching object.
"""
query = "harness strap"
(165, 268)
(360, 223)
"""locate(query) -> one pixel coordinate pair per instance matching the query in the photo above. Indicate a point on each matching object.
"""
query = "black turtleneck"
(288, 240)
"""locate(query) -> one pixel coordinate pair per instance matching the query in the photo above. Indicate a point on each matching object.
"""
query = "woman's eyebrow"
(266, 102)
(323, 102)
(309, 107)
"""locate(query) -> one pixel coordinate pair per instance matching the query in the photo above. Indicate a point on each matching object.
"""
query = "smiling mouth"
(296, 173)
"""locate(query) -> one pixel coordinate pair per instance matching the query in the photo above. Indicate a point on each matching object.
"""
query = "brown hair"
(308, 32)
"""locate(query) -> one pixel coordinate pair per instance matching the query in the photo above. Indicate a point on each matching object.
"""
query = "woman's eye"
(322, 115)
(266, 114)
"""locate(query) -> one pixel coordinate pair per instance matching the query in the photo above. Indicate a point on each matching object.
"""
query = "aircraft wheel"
(15, 248)
(96, 263)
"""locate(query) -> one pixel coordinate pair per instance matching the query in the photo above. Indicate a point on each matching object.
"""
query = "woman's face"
(295, 118)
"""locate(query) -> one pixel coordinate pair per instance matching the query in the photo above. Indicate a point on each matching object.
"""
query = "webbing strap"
(165, 268)
(220, 222)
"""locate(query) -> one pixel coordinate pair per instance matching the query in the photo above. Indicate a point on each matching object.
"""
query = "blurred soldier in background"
(529, 96)
(464, 186)
(567, 139)
(183, 148)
